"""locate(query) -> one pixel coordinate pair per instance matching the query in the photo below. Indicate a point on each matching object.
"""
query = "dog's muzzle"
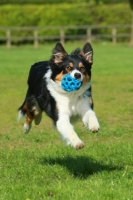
(70, 83)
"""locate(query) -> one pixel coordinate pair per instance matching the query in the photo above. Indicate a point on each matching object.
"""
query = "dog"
(46, 94)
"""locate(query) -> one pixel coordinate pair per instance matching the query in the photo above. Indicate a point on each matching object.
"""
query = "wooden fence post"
(114, 35)
(8, 38)
(88, 34)
(35, 39)
(62, 36)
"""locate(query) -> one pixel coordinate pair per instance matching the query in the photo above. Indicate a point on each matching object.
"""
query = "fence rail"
(91, 32)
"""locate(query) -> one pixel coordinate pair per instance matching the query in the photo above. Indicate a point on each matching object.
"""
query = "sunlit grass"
(38, 165)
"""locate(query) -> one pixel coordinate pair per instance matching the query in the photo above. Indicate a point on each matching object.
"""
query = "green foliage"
(29, 1)
(131, 4)
(63, 14)
(59, 1)
(109, 2)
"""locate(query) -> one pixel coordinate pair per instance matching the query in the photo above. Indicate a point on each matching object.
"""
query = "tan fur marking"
(29, 117)
(69, 67)
(80, 65)
(87, 56)
(36, 109)
(59, 77)
(58, 57)
(91, 101)
(82, 54)
(71, 64)
(86, 79)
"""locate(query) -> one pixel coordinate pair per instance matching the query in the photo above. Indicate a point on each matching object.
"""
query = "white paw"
(93, 125)
(91, 122)
(26, 128)
(77, 143)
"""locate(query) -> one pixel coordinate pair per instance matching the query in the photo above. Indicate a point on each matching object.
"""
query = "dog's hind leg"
(37, 114)
(29, 118)
(32, 111)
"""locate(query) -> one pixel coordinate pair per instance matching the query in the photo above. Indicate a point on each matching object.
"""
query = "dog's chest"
(67, 103)
(73, 102)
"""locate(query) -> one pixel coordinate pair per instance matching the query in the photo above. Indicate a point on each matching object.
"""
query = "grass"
(38, 165)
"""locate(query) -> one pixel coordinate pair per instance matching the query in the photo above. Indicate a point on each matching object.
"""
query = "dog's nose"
(77, 75)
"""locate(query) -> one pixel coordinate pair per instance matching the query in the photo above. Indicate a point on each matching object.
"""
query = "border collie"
(46, 94)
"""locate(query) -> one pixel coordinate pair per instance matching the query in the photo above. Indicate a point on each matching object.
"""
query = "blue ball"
(70, 84)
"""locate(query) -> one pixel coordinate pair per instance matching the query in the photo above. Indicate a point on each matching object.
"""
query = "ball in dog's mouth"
(70, 84)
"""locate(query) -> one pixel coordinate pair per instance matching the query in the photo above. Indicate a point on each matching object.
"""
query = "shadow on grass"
(80, 166)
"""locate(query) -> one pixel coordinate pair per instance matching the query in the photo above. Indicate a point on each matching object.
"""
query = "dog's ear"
(87, 52)
(58, 53)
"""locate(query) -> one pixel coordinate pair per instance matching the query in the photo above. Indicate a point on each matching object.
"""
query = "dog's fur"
(46, 94)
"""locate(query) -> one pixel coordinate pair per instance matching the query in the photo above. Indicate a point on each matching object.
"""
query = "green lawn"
(38, 165)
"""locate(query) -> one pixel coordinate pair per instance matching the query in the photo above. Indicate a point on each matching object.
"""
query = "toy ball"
(70, 84)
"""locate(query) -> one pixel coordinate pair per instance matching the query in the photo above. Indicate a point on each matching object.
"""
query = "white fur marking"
(90, 121)
(68, 134)
(26, 128)
(20, 115)
(76, 71)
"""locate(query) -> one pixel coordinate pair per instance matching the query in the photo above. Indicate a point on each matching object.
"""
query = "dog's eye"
(69, 68)
(82, 69)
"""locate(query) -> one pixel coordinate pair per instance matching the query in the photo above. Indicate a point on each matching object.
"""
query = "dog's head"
(77, 64)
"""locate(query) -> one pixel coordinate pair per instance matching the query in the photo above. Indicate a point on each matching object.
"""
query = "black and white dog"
(46, 94)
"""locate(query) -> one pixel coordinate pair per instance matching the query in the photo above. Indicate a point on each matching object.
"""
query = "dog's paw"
(26, 128)
(80, 145)
(93, 125)
(90, 121)
(77, 144)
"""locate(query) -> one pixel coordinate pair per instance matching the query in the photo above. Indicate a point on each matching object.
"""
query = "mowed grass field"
(39, 165)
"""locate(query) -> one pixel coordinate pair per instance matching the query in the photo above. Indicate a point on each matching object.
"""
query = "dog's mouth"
(70, 83)
(75, 74)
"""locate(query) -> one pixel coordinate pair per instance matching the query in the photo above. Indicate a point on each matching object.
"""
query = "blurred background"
(38, 21)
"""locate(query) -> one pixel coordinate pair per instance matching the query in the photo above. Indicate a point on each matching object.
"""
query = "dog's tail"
(21, 111)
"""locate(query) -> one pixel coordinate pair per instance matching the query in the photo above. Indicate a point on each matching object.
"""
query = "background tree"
(131, 5)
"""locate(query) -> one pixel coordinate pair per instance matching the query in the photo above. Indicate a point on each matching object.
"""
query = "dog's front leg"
(67, 132)
(90, 120)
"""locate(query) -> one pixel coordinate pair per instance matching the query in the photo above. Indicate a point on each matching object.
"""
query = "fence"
(113, 32)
